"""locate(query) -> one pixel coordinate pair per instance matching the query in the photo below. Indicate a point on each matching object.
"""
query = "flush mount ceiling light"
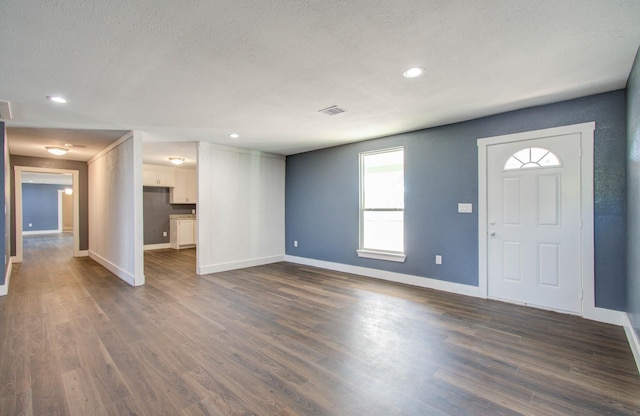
(177, 160)
(234, 135)
(57, 99)
(414, 72)
(58, 151)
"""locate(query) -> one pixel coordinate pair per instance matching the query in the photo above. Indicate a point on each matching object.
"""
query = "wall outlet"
(30, 225)
(465, 208)
(438, 259)
(164, 233)
(295, 243)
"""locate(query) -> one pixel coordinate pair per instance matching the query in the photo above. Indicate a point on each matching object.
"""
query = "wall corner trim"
(241, 264)
(407, 279)
(127, 136)
(122, 274)
(634, 342)
(4, 289)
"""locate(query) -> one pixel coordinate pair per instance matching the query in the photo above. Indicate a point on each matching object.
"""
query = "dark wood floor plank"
(20, 404)
(288, 339)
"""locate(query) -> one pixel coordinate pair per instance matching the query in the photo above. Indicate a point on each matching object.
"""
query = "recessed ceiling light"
(58, 151)
(234, 135)
(414, 72)
(176, 160)
(57, 99)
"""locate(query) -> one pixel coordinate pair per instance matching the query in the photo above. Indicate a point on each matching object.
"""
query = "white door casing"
(534, 214)
(586, 233)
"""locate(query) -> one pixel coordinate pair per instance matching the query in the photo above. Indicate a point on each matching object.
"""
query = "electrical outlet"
(438, 259)
(295, 243)
(164, 233)
(30, 225)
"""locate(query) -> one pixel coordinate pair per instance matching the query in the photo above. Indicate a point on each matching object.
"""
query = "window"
(382, 204)
(532, 157)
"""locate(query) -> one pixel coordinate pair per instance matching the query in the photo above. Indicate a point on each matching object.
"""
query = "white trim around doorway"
(586, 131)
(18, 199)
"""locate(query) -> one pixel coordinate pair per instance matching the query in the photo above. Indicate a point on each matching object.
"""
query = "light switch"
(465, 208)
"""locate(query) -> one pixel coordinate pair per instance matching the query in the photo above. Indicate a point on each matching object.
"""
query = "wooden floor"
(285, 339)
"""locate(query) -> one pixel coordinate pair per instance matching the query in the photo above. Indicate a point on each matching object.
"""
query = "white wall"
(240, 208)
(115, 209)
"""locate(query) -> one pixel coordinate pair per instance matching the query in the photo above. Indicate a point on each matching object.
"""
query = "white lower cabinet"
(183, 233)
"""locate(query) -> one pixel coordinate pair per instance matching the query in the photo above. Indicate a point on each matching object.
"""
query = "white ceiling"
(202, 69)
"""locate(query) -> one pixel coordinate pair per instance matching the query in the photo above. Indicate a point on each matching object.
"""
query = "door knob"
(492, 233)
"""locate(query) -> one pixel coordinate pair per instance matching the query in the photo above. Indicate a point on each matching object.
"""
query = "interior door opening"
(47, 207)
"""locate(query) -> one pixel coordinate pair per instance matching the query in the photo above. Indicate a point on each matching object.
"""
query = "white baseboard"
(634, 342)
(391, 276)
(595, 314)
(41, 232)
(4, 289)
(83, 253)
(223, 267)
(608, 316)
(121, 273)
(156, 246)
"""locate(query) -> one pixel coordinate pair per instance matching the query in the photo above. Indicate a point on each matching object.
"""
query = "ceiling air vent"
(5, 110)
(332, 111)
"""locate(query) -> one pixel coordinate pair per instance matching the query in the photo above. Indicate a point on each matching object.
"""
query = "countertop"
(182, 217)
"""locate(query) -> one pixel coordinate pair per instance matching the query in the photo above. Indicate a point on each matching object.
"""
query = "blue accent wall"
(633, 195)
(40, 206)
(4, 180)
(441, 170)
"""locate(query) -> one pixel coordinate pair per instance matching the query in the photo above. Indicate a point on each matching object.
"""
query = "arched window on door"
(531, 158)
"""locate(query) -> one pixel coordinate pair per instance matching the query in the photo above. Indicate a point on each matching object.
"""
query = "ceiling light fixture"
(58, 151)
(176, 160)
(414, 72)
(57, 99)
(234, 135)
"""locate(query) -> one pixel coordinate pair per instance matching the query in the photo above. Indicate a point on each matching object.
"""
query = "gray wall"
(40, 206)
(156, 211)
(83, 183)
(633, 195)
(441, 169)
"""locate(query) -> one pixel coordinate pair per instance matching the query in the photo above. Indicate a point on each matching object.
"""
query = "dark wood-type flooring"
(286, 339)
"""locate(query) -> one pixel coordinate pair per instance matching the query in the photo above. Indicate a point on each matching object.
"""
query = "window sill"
(380, 255)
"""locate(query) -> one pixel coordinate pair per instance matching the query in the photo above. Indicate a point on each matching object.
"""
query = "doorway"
(20, 172)
(536, 218)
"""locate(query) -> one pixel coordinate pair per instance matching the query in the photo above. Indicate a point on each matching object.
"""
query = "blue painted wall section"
(40, 206)
(4, 180)
(441, 170)
(633, 195)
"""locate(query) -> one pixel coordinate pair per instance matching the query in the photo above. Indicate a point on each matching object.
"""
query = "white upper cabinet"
(153, 175)
(185, 190)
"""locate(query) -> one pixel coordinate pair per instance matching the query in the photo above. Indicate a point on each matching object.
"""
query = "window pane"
(383, 230)
(384, 180)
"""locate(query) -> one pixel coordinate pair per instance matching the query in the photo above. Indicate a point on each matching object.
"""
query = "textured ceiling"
(201, 69)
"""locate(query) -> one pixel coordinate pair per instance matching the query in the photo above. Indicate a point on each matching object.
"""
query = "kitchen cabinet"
(183, 233)
(153, 175)
(185, 189)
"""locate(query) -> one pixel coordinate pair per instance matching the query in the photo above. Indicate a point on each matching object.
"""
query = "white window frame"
(369, 253)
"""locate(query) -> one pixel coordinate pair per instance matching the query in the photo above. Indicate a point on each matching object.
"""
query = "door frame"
(586, 131)
(18, 200)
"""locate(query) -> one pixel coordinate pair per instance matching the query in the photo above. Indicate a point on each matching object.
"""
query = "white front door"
(534, 222)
